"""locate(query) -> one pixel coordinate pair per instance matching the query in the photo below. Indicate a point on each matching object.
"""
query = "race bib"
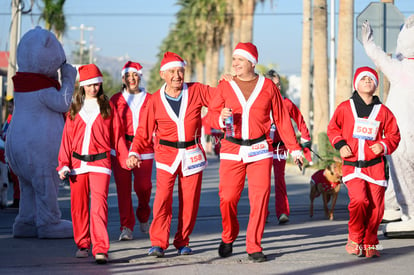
(194, 161)
(257, 149)
(365, 129)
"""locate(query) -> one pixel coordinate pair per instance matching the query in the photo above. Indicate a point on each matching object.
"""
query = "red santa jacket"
(160, 118)
(130, 108)
(251, 119)
(92, 135)
(296, 115)
(343, 127)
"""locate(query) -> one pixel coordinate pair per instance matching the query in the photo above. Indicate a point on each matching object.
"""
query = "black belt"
(246, 142)
(178, 144)
(90, 158)
(363, 163)
(129, 138)
(276, 144)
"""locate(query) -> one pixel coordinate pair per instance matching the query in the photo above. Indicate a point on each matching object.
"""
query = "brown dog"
(326, 182)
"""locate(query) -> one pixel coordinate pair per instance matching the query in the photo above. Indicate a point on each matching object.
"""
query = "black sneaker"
(257, 257)
(225, 249)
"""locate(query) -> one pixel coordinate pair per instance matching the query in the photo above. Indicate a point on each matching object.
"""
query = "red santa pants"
(189, 189)
(232, 178)
(366, 209)
(282, 202)
(90, 225)
(142, 188)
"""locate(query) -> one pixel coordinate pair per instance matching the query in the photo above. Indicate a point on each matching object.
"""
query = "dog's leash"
(315, 154)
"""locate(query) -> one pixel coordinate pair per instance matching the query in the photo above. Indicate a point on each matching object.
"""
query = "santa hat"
(171, 60)
(89, 74)
(248, 51)
(365, 71)
(134, 67)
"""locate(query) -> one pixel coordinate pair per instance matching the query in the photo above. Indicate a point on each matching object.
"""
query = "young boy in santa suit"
(129, 104)
(364, 130)
(92, 128)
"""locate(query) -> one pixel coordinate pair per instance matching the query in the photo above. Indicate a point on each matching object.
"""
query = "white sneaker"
(283, 219)
(101, 258)
(82, 253)
(144, 227)
(126, 234)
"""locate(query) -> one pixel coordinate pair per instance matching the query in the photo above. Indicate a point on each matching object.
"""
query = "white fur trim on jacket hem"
(358, 174)
(86, 169)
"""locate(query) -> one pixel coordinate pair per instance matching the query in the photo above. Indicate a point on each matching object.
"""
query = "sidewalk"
(303, 246)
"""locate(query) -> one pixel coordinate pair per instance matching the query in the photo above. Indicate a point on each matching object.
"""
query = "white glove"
(367, 35)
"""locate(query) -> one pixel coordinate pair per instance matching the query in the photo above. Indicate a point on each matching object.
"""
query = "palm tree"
(305, 93)
(246, 28)
(228, 36)
(344, 67)
(54, 17)
(320, 87)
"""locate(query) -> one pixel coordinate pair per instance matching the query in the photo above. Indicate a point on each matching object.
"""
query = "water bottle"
(272, 131)
(229, 126)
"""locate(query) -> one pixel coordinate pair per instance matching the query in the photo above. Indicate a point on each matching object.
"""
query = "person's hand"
(226, 77)
(367, 35)
(63, 174)
(297, 156)
(132, 162)
(345, 152)
(377, 148)
(299, 162)
(225, 113)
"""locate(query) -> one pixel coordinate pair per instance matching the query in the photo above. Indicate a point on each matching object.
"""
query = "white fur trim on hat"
(91, 81)
(131, 69)
(172, 64)
(365, 73)
(246, 55)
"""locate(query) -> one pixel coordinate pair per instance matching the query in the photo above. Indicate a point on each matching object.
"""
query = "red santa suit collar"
(29, 82)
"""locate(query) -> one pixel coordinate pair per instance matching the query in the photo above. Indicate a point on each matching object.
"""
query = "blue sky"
(139, 32)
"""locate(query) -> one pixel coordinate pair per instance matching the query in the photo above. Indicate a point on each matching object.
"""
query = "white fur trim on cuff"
(296, 154)
(134, 154)
(221, 123)
(385, 148)
(64, 169)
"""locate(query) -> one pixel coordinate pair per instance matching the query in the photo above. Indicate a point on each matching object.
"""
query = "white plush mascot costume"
(400, 72)
(34, 134)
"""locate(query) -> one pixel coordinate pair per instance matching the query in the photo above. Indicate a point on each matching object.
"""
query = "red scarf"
(29, 82)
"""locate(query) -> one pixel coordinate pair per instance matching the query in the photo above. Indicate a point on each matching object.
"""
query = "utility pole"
(14, 37)
(82, 28)
(332, 60)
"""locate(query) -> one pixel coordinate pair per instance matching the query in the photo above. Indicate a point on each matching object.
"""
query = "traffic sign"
(386, 21)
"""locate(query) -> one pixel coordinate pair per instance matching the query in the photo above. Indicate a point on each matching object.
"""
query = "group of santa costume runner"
(168, 128)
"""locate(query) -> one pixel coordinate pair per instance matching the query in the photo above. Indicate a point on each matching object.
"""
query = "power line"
(128, 14)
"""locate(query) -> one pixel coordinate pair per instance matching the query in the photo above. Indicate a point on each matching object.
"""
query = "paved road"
(303, 246)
